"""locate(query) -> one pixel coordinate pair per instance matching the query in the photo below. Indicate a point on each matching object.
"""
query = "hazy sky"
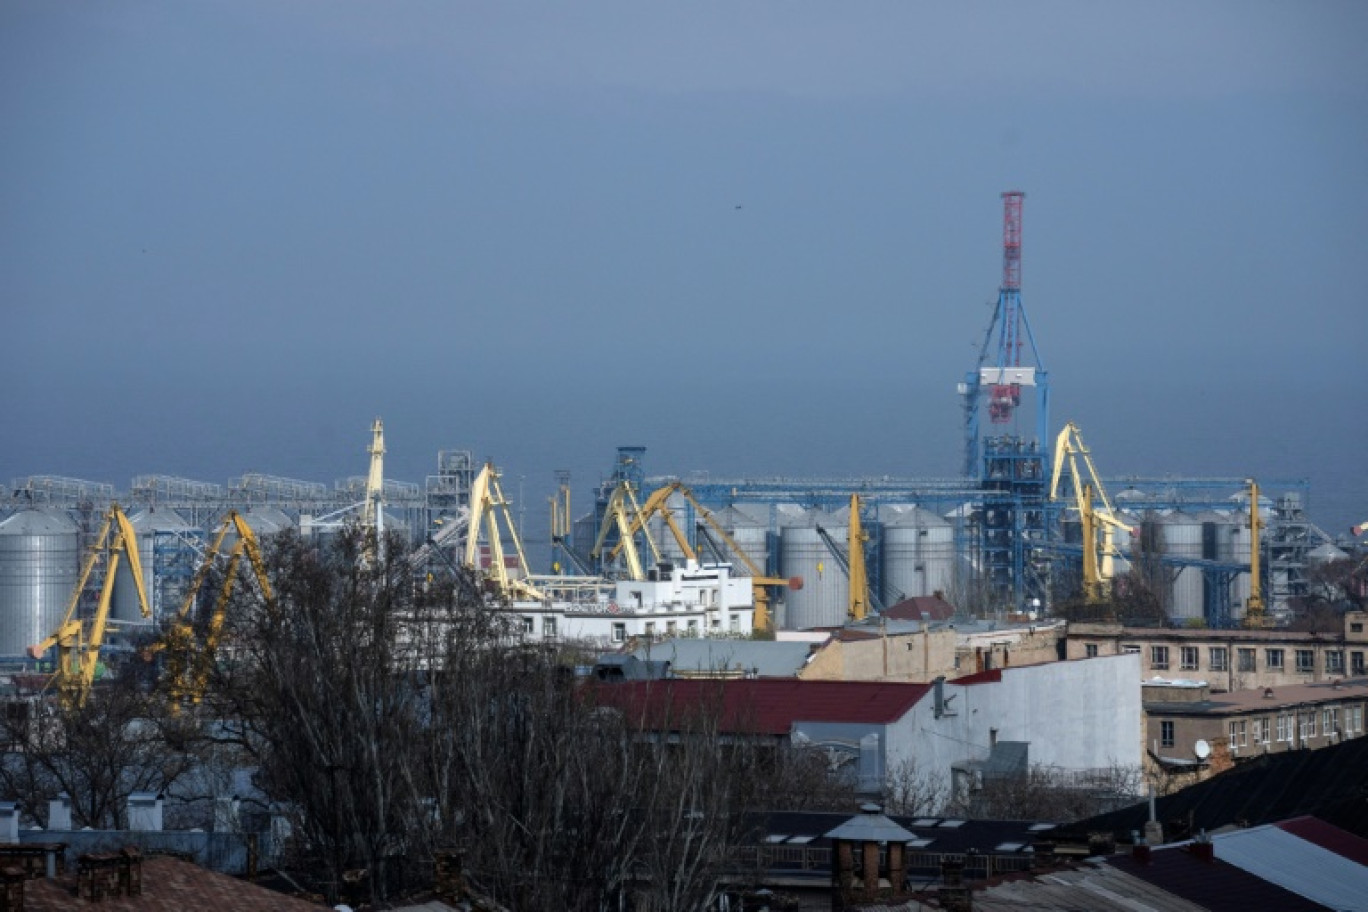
(756, 238)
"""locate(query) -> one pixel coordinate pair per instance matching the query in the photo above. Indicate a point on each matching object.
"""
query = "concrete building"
(1191, 734)
(893, 650)
(1231, 660)
(1079, 717)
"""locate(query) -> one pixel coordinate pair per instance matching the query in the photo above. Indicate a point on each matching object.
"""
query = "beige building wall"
(920, 656)
(924, 655)
(1231, 660)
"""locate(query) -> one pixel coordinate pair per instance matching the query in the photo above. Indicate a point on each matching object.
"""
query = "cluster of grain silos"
(912, 552)
(1202, 548)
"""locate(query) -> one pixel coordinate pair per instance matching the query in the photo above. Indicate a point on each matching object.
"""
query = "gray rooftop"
(871, 826)
(763, 658)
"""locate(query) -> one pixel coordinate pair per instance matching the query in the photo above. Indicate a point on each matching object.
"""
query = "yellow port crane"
(373, 510)
(1255, 615)
(78, 640)
(489, 510)
(859, 599)
(657, 504)
(190, 657)
(1098, 522)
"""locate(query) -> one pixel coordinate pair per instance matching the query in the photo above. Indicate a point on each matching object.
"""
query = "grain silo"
(168, 549)
(918, 553)
(1181, 534)
(39, 565)
(824, 598)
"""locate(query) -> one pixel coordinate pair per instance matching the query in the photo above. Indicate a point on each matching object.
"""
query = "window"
(1158, 657)
(529, 624)
(1356, 663)
(1330, 720)
(1166, 734)
(1219, 658)
(548, 626)
(1356, 627)
(1273, 658)
(1353, 720)
(1334, 662)
(693, 628)
(1090, 650)
(1187, 658)
(1260, 731)
(736, 622)
(1246, 659)
(1284, 727)
(671, 627)
(1306, 661)
(1307, 725)
(1239, 734)
(619, 632)
(1127, 650)
(650, 629)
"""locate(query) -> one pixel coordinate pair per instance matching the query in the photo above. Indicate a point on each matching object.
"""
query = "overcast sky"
(756, 238)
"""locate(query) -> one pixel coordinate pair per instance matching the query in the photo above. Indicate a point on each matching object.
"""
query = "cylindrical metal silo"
(749, 534)
(1182, 537)
(824, 598)
(39, 565)
(918, 553)
(168, 557)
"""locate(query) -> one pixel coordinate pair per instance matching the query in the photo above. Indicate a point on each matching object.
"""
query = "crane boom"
(658, 504)
(1254, 606)
(373, 510)
(78, 640)
(1098, 523)
(190, 661)
(487, 506)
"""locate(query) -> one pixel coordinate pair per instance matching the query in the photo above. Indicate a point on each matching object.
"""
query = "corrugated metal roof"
(1215, 885)
(1298, 865)
(1329, 837)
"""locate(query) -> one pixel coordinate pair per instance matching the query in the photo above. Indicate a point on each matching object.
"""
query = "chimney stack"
(1203, 848)
(59, 812)
(145, 812)
(9, 822)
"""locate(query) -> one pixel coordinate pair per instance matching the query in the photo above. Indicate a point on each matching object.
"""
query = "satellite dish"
(1201, 749)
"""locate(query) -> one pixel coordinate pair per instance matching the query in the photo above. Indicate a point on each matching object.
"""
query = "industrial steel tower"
(1010, 469)
(1001, 381)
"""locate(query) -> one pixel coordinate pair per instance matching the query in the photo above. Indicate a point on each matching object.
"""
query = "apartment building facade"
(1232, 660)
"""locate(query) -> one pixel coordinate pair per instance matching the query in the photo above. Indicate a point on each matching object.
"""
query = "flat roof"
(1251, 701)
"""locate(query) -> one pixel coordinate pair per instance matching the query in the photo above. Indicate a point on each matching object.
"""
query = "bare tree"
(911, 790)
(118, 742)
(1050, 793)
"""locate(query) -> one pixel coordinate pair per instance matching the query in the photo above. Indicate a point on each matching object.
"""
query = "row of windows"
(1246, 658)
(1306, 725)
(619, 635)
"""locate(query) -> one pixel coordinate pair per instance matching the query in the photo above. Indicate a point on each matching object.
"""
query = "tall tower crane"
(1001, 372)
(1254, 607)
(373, 510)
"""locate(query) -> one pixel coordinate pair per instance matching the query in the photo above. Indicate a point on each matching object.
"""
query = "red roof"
(991, 676)
(168, 885)
(763, 706)
(912, 609)
(1328, 837)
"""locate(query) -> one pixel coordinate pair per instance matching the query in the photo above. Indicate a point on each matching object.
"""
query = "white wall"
(1077, 715)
